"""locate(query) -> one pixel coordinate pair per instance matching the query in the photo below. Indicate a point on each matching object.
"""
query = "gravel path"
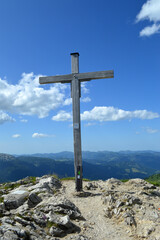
(95, 226)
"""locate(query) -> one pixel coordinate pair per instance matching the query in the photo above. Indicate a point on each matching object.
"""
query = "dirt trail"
(96, 226)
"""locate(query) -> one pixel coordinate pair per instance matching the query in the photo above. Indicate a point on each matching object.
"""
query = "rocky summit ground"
(46, 208)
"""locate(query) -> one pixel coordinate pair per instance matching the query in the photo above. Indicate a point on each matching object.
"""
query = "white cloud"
(150, 30)
(4, 117)
(68, 101)
(86, 99)
(24, 120)
(150, 11)
(29, 98)
(62, 116)
(40, 135)
(84, 88)
(151, 131)
(16, 136)
(114, 114)
(103, 114)
(90, 124)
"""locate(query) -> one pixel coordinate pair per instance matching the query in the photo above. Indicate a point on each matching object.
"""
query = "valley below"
(96, 165)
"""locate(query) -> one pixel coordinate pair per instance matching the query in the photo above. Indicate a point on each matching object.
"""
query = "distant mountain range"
(96, 165)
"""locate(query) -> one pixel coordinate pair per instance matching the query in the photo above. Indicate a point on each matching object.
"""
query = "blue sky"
(37, 38)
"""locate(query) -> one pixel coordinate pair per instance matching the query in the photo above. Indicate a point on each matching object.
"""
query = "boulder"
(61, 206)
(15, 199)
(46, 184)
(33, 200)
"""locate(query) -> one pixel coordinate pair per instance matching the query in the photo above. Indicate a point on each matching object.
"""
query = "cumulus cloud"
(40, 135)
(16, 136)
(150, 11)
(29, 98)
(62, 116)
(104, 114)
(4, 117)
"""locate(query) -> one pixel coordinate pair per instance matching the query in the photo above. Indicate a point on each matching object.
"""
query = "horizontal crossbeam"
(81, 77)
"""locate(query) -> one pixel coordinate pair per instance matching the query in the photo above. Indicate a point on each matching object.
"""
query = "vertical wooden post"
(75, 94)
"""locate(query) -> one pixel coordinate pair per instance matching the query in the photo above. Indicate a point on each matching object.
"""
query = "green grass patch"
(1, 199)
(51, 224)
(155, 183)
(154, 179)
(67, 178)
(12, 186)
(32, 180)
(86, 180)
(124, 180)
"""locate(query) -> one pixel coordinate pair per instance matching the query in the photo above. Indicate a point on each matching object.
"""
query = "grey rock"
(117, 211)
(9, 236)
(15, 199)
(133, 207)
(91, 186)
(155, 193)
(79, 237)
(39, 218)
(57, 232)
(65, 222)
(109, 200)
(145, 231)
(137, 182)
(12, 232)
(134, 200)
(33, 200)
(7, 220)
(119, 203)
(114, 181)
(129, 219)
(2, 207)
(108, 213)
(63, 206)
(46, 183)
(22, 221)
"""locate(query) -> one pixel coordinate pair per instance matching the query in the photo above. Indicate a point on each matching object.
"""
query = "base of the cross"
(79, 179)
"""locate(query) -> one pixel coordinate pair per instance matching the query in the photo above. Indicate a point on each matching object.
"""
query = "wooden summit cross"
(75, 79)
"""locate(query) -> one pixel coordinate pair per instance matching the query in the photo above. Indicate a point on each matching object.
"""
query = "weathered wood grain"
(76, 122)
(81, 77)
